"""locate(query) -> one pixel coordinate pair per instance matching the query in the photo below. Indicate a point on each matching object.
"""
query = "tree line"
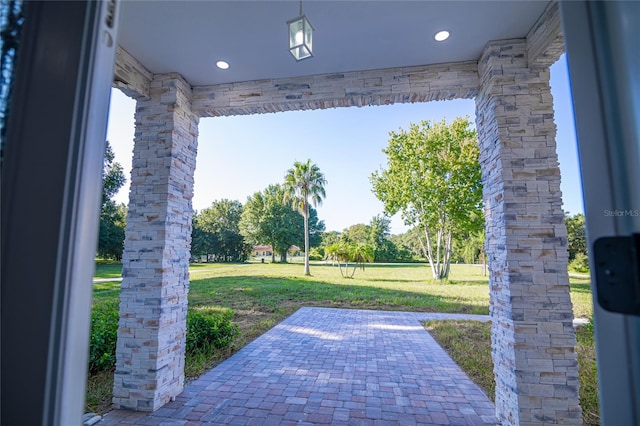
(113, 216)
(432, 179)
(577, 243)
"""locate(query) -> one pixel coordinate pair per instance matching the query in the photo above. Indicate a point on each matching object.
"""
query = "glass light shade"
(442, 35)
(300, 38)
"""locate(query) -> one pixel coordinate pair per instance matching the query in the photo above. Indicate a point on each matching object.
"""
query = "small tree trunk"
(484, 261)
(306, 239)
(438, 258)
(429, 253)
(447, 260)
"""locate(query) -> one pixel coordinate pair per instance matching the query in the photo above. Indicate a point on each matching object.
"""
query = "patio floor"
(331, 366)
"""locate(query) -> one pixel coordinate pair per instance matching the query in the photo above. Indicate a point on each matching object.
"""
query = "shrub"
(580, 263)
(209, 328)
(104, 332)
(316, 253)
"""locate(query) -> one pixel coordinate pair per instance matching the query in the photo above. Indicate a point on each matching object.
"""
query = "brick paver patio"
(331, 366)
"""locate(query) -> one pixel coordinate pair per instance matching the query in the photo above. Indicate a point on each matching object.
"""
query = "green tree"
(304, 185)
(468, 244)
(217, 232)
(326, 239)
(379, 229)
(376, 234)
(576, 235)
(330, 237)
(433, 178)
(358, 233)
(112, 216)
(409, 242)
(268, 219)
(356, 254)
(316, 228)
(112, 175)
(379, 233)
(470, 248)
(201, 240)
(577, 243)
(113, 219)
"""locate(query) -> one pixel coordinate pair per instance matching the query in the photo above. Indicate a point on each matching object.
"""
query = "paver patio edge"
(332, 366)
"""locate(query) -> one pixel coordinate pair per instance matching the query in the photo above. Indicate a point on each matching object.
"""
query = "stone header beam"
(131, 76)
(358, 88)
(545, 42)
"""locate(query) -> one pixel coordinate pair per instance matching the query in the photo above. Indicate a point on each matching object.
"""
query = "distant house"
(295, 251)
(262, 250)
(267, 250)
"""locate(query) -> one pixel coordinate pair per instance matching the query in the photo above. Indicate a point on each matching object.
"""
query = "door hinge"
(617, 263)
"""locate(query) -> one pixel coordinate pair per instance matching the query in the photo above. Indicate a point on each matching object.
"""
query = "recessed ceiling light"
(441, 35)
(222, 65)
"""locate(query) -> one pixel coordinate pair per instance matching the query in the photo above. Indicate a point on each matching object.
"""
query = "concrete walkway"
(331, 366)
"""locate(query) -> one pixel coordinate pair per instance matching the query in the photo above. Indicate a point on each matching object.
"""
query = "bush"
(580, 263)
(209, 328)
(104, 332)
(316, 253)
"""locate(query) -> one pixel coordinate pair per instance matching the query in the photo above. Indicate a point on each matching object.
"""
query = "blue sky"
(238, 156)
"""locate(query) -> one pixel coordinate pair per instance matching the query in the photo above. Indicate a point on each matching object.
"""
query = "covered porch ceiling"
(189, 37)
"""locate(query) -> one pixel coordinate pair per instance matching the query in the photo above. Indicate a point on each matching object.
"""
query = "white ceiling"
(188, 37)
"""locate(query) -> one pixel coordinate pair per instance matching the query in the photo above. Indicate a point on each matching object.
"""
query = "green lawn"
(276, 287)
(387, 286)
(581, 297)
(261, 295)
(107, 269)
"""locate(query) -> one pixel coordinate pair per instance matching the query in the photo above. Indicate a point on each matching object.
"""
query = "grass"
(99, 392)
(587, 371)
(281, 289)
(262, 295)
(469, 345)
(107, 269)
(581, 297)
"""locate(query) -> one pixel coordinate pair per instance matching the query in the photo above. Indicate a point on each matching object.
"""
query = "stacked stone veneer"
(130, 76)
(545, 42)
(358, 88)
(153, 298)
(533, 338)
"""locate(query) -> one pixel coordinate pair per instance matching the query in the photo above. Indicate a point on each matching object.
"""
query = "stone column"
(533, 340)
(153, 299)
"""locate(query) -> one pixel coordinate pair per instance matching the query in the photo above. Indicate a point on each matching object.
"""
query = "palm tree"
(356, 253)
(304, 184)
(359, 254)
